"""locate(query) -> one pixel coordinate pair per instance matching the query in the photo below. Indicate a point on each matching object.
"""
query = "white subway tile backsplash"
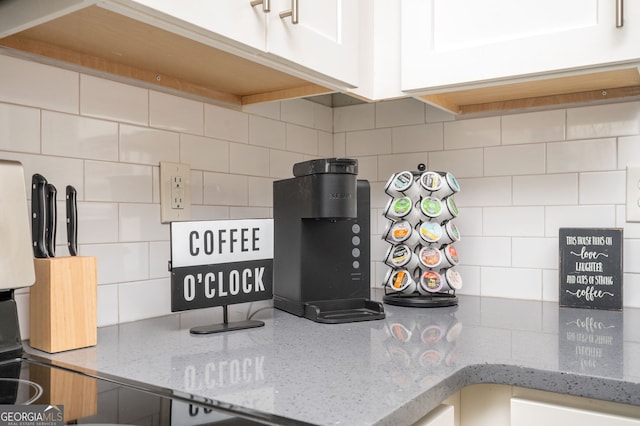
(522, 175)
(543, 126)
(514, 160)
(58, 171)
(118, 182)
(628, 151)
(80, 137)
(322, 117)
(267, 109)
(110, 100)
(513, 221)
(534, 253)
(472, 133)
(601, 121)
(171, 112)
(226, 124)
(144, 299)
(120, 262)
(298, 111)
(390, 164)
(97, 223)
(575, 156)
(368, 142)
(159, 255)
(577, 217)
(602, 188)
(260, 192)
(143, 145)
(485, 251)
(32, 84)
(489, 191)
(325, 144)
(541, 190)
(631, 290)
(301, 139)
(267, 132)
(469, 221)
(399, 113)
(463, 163)
(514, 283)
(281, 163)
(225, 189)
(340, 144)
(141, 222)
(107, 305)
(197, 185)
(248, 159)
(204, 153)
(417, 138)
(19, 128)
(354, 117)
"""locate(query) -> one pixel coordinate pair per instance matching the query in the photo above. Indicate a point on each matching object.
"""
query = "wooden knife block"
(63, 302)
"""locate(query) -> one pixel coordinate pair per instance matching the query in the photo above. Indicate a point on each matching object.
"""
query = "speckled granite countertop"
(389, 372)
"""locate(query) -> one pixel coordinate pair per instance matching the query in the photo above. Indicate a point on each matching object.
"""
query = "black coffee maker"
(321, 263)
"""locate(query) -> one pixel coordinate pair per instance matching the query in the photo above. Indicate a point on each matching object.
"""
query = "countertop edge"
(573, 384)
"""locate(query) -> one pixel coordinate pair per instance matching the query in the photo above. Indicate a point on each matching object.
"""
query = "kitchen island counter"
(389, 372)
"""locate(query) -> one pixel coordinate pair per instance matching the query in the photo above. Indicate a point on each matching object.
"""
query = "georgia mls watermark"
(31, 415)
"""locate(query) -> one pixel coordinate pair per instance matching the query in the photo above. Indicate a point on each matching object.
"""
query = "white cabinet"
(453, 42)
(533, 413)
(324, 40)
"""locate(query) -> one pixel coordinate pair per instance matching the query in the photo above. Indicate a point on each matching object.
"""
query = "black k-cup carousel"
(422, 256)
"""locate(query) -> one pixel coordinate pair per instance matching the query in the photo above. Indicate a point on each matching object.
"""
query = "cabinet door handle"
(619, 13)
(293, 12)
(266, 5)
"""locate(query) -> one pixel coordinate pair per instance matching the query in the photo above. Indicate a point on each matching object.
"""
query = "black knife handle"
(72, 220)
(38, 215)
(52, 217)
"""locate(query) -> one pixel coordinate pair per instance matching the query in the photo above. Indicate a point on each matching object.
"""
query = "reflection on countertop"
(389, 371)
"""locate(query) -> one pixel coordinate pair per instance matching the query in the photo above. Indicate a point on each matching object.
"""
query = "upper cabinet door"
(449, 42)
(234, 20)
(325, 39)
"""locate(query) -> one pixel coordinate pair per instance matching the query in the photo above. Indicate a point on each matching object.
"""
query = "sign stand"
(225, 325)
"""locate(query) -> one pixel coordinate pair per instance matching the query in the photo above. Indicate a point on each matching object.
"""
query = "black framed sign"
(220, 262)
(591, 268)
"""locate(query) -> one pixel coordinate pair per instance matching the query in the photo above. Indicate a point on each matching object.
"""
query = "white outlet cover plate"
(168, 171)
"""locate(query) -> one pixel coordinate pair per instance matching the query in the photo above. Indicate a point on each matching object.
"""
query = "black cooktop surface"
(88, 399)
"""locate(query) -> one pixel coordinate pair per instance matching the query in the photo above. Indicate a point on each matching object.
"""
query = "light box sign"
(220, 262)
(591, 268)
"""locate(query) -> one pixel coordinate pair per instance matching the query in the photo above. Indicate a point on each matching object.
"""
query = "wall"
(107, 140)
(523, 175)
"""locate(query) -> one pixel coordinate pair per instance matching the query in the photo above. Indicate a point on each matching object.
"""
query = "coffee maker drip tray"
(343, 310)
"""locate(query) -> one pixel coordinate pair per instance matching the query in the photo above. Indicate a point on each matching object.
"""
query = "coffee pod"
(430, 208)
(452, 278)
(401, 256)
(402, 209)
(430, 232)
(450, 233)
(430, 257)
(430, 282)
(401, 233)
(449, 256)
(401, 281)
(402, 184)
(449, 210)
(439, 185)
(430, 183)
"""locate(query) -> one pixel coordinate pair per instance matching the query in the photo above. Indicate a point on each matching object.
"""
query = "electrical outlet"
(175, 192)
(633, 194)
